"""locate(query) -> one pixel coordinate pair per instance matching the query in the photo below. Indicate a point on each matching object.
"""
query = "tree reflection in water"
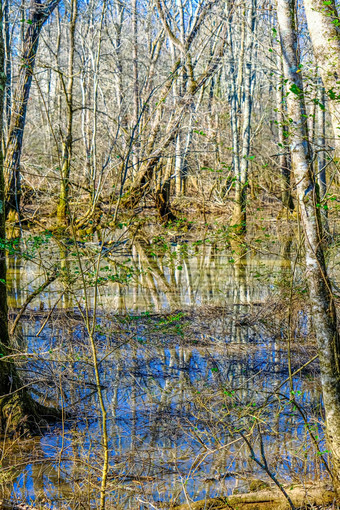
(179, 386)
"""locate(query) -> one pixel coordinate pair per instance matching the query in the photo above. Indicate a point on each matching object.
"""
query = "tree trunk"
(240, 208)
(322, 20)
(319, 287)
(282, 126)
(321, 159)
(135, 117)
(233, 100)
(68, 138)
(178, 165)
(120, 9)
(18, 412)
(141, 182)
(38, 14)
(162, 196)
(306, 497)
(135, 63)
(8, 66)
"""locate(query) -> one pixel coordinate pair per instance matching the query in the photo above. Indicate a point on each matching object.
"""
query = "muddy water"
(147, 277)
(178, 389)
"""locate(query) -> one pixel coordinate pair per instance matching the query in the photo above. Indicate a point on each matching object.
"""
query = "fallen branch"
(266, 500)
(33, 295)
(264, 465)
(8, 505)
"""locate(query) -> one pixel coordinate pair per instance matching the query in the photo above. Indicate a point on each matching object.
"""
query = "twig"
(50, 313)
(30, 298)
(264, 466)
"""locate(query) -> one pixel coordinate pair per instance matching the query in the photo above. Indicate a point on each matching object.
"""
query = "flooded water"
(151, 276)
(189, 360)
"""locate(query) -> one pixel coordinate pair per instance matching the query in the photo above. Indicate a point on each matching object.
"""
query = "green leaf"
(295, 89)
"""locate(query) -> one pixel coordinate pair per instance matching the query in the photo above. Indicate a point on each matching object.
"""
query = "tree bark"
(240, 207)
(135, 63)
(321, 159)
(319, 287)
(18, 411)
(68, 138)
(38, 14)
(264, 500)
(135, 118)
(282, 126)
(233, 92)
(162, 196)
(322, 20)
(8, 66)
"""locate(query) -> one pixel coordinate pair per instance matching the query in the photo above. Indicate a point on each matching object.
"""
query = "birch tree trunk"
(38, 14)
(239, 216)
(321, 159)
(322, 18)
(320, 295)
(282, 127)
(232, 80)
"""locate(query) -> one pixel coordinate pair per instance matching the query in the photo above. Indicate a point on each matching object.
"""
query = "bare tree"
(320, 294)
(244, 100)
(323, 26)
(38, 14)
(19, 413)
(68, 135)
(283, 129)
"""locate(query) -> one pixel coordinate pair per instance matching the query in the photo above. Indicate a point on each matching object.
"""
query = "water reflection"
(177, 387)
(147, 277)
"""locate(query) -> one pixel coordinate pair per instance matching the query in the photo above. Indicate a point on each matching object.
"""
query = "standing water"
(191, 358)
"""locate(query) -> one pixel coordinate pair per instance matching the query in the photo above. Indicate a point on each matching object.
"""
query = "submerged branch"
(30, 298)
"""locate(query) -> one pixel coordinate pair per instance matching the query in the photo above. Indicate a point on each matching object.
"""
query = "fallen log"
(266, 500)
(10, 505)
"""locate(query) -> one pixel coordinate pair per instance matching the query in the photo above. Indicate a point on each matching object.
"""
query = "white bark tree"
(320, 295)
(323, 25)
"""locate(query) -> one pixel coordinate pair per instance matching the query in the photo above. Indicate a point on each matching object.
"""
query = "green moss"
(258, 485)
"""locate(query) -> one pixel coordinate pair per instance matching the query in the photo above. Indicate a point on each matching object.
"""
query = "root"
(23, 416)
